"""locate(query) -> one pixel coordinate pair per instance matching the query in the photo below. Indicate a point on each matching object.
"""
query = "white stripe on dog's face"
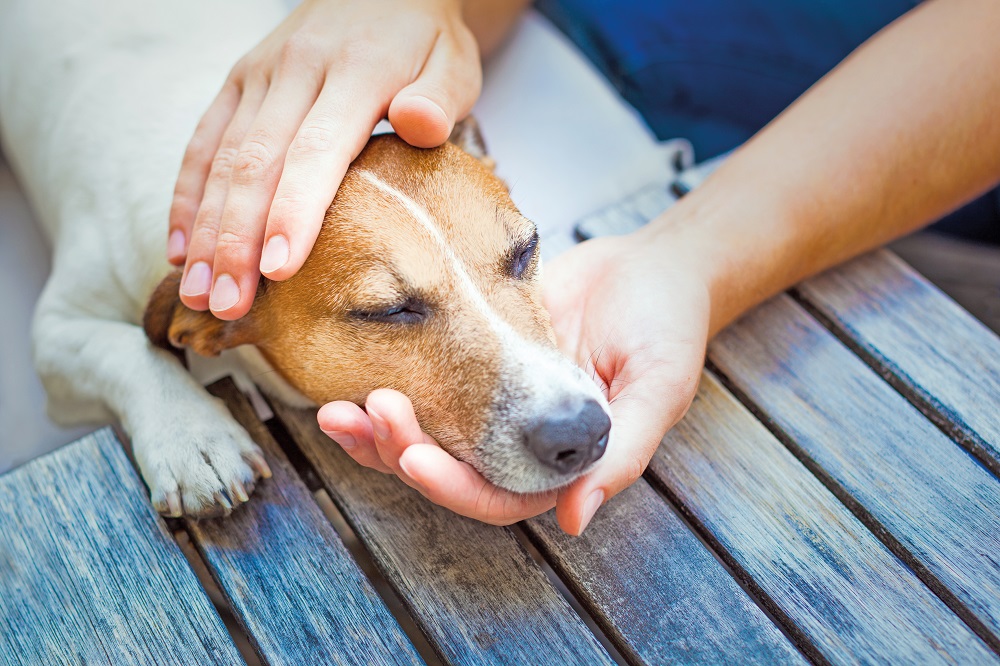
(420, 214)
(540, 377)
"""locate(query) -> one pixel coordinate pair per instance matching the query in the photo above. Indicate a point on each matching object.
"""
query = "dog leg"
(194, 457)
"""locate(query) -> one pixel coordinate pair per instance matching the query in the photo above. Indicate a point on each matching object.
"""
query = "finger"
(424, 112)
(639, 420)
(349, 426)
(197, 279)
(394, 426)
(252, 183)
(458, 487)
(197, 162)
(331, 136)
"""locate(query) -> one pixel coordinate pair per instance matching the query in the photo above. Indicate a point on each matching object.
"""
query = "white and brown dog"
(425, 277)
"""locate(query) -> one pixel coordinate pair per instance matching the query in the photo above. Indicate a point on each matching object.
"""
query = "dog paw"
(203, 470)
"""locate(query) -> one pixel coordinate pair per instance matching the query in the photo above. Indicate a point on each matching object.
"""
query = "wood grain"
(88, 572)
(939, 507)
(656, 591)
(935, 353)
(286, 574)
(472, 588)
(840, 592)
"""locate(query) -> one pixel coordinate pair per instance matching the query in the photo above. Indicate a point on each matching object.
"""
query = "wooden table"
(832, 496)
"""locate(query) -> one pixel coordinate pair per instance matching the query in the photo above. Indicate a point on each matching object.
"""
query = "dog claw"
(223, 502)
(258, 464)
(173, 501)
(238, 492)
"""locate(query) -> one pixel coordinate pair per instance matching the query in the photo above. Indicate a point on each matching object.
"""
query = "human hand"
(386, 436)
(269, 154)
(633, 317)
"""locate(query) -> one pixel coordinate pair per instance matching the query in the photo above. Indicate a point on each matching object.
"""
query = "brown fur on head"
(424, 279)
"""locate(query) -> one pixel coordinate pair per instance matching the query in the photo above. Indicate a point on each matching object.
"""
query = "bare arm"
(903, 131)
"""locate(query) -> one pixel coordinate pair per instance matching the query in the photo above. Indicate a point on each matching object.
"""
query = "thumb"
(424, 112)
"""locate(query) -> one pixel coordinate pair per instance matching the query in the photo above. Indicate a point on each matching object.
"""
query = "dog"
(425, 277)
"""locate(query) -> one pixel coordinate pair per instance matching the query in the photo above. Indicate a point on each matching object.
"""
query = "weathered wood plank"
(655, 590)
(841, 593)
(875, 450)
(935, 353)
(88, 572)
(286, 574)
(472, 588)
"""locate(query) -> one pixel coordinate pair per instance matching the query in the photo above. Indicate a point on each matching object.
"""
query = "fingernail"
(198, 279)
(225, 294)
(590, 507)
(345, 439)
(379, 425)
(403, 465)
(275, 254)
(175, 244)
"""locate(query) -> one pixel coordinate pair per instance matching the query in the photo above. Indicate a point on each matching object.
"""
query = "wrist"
(736, 243)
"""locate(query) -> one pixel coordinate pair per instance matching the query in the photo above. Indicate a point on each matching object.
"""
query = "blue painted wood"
(88, 572)
(839, 591)
(286, 574)
(935, 353)
(939, 506)
(472, 588)
(655, 590)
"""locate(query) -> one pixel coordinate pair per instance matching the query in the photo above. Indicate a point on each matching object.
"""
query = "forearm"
(491, 20)
(903, 131)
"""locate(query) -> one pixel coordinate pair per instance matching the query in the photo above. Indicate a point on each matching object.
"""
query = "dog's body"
(95, 116)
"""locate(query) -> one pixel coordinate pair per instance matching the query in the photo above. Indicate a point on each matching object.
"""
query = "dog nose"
(570, 437)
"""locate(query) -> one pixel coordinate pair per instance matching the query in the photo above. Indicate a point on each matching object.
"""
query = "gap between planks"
(936, 586)
(370, 566)
(354, 545)
(965, 437)
(764, 602)
(565, 589)
(206, 576)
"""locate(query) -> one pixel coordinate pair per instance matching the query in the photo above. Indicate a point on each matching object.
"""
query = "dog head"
(424, 279)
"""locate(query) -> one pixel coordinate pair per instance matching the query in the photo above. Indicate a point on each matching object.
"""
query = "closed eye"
(522, 257)
(410, 311)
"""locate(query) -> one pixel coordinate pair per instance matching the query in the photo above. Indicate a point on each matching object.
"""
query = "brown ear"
(467, 136)
(170, 324)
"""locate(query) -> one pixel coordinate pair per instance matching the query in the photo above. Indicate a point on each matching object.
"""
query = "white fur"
(97, 101)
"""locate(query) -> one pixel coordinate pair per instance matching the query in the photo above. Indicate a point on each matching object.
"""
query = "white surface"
(25, 431)
(562, 139)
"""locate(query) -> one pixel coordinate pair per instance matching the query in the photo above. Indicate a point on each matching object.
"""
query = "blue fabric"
(717, 71)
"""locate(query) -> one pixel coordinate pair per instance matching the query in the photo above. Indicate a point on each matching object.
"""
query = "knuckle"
(207, 220)
(298, 50)
(356, 49)
(198, 147)
(633, 472)
(285, 207)
(232, 246)
(254, 160)
(222, 163)
(183, 206)
(313, 138)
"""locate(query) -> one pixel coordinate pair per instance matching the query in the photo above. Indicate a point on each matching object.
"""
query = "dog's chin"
(523, 476)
